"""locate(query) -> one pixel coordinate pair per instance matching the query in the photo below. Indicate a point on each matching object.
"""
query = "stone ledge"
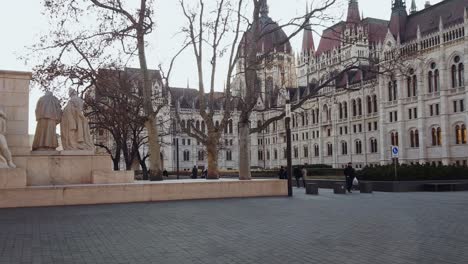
(112, 177)
(140, 192)
(12, 178)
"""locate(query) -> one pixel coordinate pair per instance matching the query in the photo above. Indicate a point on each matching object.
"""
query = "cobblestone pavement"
(358, 228)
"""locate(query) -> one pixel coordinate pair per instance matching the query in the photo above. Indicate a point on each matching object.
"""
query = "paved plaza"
(358, 228)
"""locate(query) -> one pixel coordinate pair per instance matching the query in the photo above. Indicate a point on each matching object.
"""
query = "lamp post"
(288, 147)
(175, 141)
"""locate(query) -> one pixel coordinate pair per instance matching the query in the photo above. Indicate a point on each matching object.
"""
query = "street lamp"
(288, 146)
(175, 141)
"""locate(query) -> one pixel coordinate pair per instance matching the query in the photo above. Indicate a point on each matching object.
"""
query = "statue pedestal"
(77, 152)
(12, 178)
(58, 169)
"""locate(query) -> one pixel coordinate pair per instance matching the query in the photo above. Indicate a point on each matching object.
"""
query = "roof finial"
(264, 8)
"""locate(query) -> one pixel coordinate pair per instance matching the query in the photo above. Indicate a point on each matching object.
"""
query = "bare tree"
(115, 36)
(203, 30)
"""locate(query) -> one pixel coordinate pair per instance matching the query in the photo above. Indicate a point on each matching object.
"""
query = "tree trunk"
(154, 150)
(212, 153)
(244, 151)
(150, 124)
(116, 159)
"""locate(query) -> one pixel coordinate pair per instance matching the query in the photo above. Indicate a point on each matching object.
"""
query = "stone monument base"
(112, 177)
(12, 178)
(58, 169)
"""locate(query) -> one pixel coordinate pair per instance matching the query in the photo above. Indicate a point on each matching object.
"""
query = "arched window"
(329, 149)
(231, 130)
(345, 110)
(430, 82)
(414, 138)
(457, 72)
(359, 102)
(203, 127)
(316, 150)
(306, 151)
(436, 81)
(317, 113)
(326, 113)
(373, 145)
(344, 148)
(415, 85)
(353, 102)
(275, 154)
(390, 92)
(454, 76)
(369, 104)
(313, 117)
(375, 103)
(394, 139)
(340, 110)
(461, 134)
(217, 124)
(409, 86)
(197, 125)
(436, 133)
(182, 124)
(358, 147)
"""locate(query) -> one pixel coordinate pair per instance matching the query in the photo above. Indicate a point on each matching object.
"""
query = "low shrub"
(413, 173)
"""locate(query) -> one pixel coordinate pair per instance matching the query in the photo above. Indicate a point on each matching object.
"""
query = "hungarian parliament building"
(421, 107)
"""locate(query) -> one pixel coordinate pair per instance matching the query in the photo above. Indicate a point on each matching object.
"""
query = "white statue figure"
(48, 115)
(5, 154)
(74, 127)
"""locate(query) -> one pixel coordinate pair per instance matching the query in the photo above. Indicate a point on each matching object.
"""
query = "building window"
(306, 151)
(260, 155)
(375, 103)
(186, 155)
(436, 134)
(354, 105)
(373, 145)
(359, 103)
(460, 134)
(228, 155)
(392, 91)
(457, 73)
(344, 148)
(358, 147)
(316, 150)
(329, 149)
(414, 138)
(275, 154)
(201, 155)
(369, 104)
(433, 79)
(394, 139)
(296, 152)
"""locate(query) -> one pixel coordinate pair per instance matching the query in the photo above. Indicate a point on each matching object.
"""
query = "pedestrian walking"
(281, 173)
(194, 172)
(350, 174)
(298, 175)
(165, 173)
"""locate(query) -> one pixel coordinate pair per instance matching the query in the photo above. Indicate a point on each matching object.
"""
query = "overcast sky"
(21, 23)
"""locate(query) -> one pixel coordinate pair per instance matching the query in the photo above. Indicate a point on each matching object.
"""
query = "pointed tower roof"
(413, 9)
(398, 20)
(353, 12)
(264, 10)
(308, 39)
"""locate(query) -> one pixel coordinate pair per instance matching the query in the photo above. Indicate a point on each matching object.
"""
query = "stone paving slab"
(357, 228)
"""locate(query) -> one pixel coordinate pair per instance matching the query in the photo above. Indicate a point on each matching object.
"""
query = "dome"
(273, 37)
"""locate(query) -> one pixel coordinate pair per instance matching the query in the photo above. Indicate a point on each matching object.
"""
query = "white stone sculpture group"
(74, 127)
(5, 154)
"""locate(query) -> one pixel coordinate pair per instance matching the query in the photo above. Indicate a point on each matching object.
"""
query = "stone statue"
(5, 154)
(74, 127)
(48, 115)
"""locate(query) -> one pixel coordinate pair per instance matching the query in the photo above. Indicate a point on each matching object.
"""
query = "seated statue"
(74, 127)
(48, 115)
(5, 154)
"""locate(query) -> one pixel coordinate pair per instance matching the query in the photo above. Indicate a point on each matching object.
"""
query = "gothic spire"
(308, 39)
(413, 9)
(264, 8)
(353, 12)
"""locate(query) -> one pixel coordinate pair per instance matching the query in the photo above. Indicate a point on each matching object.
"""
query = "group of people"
(194, 174)
(301, 173)
(297, 172)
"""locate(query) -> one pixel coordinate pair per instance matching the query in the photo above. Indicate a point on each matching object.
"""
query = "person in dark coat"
(165, 173)
(281, 173)
(298, 174)
(194, 172)
(350, 174)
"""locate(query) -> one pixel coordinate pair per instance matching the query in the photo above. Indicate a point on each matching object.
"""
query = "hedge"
(413, 173)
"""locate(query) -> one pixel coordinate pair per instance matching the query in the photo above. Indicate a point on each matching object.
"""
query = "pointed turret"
(308, 45)
(398, 20)
(413, 9)
(353, 12)
(264, 9)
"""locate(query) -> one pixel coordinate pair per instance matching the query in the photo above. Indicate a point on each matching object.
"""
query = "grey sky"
(21, 23)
